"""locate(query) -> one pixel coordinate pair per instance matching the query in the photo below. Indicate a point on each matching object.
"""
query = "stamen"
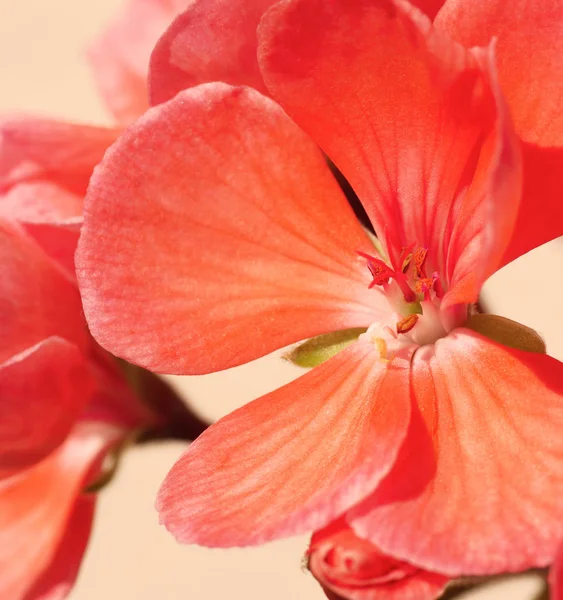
(381, 345)
(380, 272)
(406, 257)
(402, 282)
(419, 260)
(406, 324)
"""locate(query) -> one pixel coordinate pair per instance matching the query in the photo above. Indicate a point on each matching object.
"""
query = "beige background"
(130, 557)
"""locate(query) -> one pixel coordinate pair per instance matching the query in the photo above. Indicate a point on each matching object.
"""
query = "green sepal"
(507, 332)
(319, 349)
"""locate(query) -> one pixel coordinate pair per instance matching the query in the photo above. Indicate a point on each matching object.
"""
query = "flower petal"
(401, 110)
(45, 167)
(487, 214)
(293, 459)
(249, 244)
(58, 240)
(540, 218)
(43, 391)
(55, 158)
(529, 33)
(429, 7)
(351, 568)
(36, 505)
(556, 576)
(37, 300)
(496, 501)
(57, 580)
(212, 40)
(530, 61)
(120, 56)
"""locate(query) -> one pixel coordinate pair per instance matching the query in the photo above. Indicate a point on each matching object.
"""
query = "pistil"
(417, 288)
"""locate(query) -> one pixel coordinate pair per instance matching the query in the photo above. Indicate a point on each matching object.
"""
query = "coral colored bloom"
(215, 233)
(349, 567)
(65, 405)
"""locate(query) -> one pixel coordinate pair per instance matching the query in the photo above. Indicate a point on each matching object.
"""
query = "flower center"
(414, 294)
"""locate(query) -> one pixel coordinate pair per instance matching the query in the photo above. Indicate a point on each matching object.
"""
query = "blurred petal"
(37, 300)
(45, 167)
(294, 459)
(420, 148)
(40, 201)
(496, 501)
(212, 40)
(57, 580)
(351, 568)
(58, 240)
(120, 56)
(43, 391)
(116, 399)
(248, 243)
(36, 506)
(54, 157)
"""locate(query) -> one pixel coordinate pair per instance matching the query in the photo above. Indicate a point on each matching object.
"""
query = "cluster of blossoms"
(424, 441)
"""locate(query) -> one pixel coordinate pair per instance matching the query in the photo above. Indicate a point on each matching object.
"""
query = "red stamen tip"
(380, 271)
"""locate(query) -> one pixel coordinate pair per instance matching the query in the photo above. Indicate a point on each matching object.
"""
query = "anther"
(419, 257)
(405, 258)
(380, 272)
(406, 324)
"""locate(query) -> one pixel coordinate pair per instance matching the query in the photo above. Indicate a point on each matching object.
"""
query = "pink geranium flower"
(65, 406)
(214, 233)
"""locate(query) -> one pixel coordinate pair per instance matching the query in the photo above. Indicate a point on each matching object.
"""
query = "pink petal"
(45, 167)
(115, 398)
(556, 576)
(530, 57)
(120, 57)
(58, 240)
(487, 214)
(496, 500)
(429, 7)
(40, 201)
(214, 233)
(540, 218)
(37, 299)
(53, 157)
(56, 582)
(529, 45)
(293, 459)
(37, 506)
(351, 568)
(43, 391)
(406, 114)
(212, 40)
